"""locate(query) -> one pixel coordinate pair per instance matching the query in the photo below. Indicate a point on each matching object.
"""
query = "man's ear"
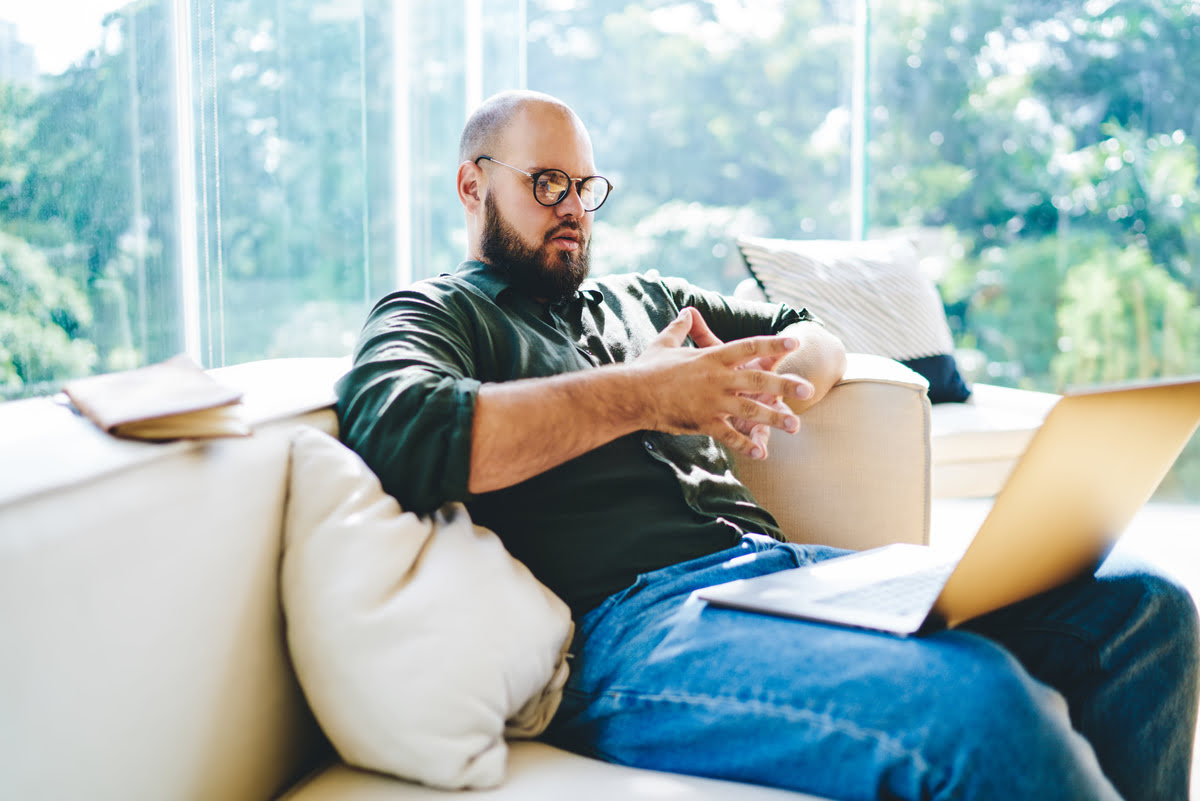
(470, 186)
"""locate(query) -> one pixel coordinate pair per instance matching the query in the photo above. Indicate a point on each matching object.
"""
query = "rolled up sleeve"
(407, 405)
(735, 318)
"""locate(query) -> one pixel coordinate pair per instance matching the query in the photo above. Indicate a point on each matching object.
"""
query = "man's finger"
(677, 330)
(762, 382)
(767, 348)
(736, 440)
(744, 413)
(760, 435)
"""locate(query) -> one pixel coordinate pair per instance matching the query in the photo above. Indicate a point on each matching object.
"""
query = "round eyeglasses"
(550, 187)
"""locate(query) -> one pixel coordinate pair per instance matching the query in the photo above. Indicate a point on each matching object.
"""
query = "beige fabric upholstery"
(142, 634)
(868, 439)
(539, 772)
(144, 653)
(143, 640)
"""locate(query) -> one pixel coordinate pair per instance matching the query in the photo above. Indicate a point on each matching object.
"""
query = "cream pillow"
(417, 640)
(871, 294)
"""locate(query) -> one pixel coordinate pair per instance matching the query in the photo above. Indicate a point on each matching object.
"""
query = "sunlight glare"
(56, 46)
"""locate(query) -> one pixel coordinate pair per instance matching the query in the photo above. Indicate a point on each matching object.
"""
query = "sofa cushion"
(540, 772)
(871, 294)
(418, 641)
(976, 444)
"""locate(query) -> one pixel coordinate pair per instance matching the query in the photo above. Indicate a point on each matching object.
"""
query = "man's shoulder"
(649, 281)
(447, 288)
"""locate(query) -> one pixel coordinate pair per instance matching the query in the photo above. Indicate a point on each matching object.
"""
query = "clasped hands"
(729, 391)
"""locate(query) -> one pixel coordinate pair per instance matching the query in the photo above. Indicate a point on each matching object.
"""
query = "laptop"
(1095, 461)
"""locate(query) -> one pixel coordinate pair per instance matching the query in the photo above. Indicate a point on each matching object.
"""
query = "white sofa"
(144, 652)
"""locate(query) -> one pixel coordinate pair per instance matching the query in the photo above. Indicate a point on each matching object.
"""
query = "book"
(172, 399)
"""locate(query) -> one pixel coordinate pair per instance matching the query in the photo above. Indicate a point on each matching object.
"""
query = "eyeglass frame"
(576, 182)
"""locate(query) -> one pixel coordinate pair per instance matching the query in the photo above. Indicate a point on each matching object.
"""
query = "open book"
(172, 399)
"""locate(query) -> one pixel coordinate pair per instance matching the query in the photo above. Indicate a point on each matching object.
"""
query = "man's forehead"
(546, 136)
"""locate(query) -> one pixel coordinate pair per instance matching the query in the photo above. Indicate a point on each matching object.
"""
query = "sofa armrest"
(857, 475)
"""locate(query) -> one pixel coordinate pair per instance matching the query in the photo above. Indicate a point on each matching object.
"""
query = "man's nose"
(572, 204)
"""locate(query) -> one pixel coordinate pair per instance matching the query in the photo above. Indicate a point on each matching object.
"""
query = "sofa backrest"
(143, 644)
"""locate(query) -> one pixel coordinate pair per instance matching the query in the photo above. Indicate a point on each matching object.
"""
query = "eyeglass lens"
(553, 185)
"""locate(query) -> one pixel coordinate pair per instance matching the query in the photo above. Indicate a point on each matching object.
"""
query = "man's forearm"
(523, 428)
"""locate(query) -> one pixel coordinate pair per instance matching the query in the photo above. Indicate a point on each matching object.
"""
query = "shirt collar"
(493, 283)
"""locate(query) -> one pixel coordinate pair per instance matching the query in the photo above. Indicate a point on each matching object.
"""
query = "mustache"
(566, 226)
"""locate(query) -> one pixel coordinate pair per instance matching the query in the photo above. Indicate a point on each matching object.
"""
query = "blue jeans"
(1085, 692)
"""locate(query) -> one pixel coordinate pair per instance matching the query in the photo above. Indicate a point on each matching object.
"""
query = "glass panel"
(292, 119)
(727, 121)
(439, 66)
(87, 191)
(437, 101)
(1050, 149)
(241, 181)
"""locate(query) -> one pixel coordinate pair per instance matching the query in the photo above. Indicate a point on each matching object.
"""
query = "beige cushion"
(415, 639)
(142, 637)
(997, 423)
(871, 294)
(977, 443)
(857, 473)
(540, 772)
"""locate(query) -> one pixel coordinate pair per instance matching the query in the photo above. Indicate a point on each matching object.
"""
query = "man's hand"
(728, 391)
(758, 433)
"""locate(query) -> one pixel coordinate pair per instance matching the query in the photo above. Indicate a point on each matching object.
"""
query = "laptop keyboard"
(901, 595)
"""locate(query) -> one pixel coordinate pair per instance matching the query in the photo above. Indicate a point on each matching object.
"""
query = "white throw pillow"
(871, 294)
(416, 640)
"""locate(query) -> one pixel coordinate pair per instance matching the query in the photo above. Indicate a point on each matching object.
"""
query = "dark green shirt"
(588, 527)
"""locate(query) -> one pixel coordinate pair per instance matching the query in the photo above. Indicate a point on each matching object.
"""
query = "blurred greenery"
(39, 313)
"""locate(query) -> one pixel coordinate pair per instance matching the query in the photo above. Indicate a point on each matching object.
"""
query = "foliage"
(40, 313)
(1012, 303)
(1122, 316)
(1071, 131)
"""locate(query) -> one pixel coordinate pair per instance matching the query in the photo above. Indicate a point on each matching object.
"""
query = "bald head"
(485, 128)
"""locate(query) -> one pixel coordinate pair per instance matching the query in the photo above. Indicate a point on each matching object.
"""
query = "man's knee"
(1174, 603)
(1162, 606)
(1176, 617)
(1002, 733)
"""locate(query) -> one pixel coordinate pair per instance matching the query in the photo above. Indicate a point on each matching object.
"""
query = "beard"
(544, 273)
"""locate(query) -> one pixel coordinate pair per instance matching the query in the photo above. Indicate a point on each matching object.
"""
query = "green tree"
(1122, 316)
(98, 195)
(735, 116)
(1013, 297)
(40, 315)
(1047, 135)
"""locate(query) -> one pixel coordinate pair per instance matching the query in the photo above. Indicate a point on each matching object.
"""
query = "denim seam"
(785, 712)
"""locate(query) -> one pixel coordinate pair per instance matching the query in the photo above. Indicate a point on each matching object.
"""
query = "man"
(574, 418)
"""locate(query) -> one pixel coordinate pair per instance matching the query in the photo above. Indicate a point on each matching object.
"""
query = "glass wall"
(710, 119)
(240, 179)
(1048, 153)
(89, 276)
(210, 177)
